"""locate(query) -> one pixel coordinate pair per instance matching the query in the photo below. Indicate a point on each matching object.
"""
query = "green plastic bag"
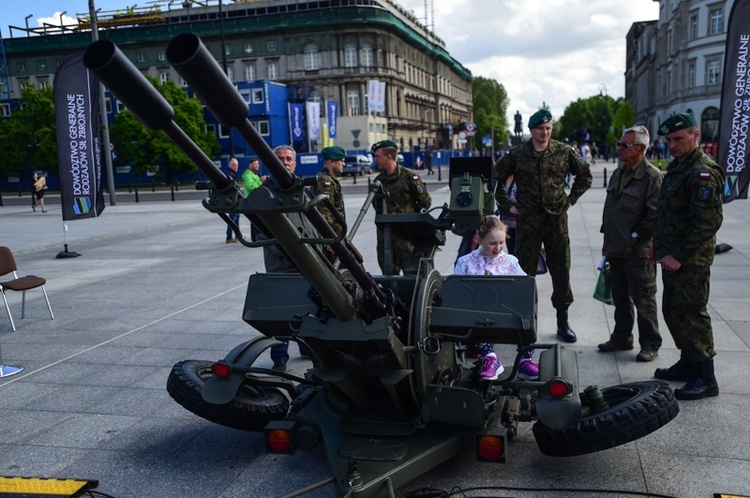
(603, 290)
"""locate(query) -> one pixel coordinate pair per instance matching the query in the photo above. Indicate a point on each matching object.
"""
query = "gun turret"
(269, 202)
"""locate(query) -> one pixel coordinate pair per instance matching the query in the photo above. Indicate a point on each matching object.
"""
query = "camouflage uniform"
(407, 194)
(328, 184)
(689, 215)
(630, 207)
(542, 206)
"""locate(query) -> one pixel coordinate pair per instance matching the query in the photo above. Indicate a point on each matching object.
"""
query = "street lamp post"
(27, 23)
(224, 67)
(61, 18)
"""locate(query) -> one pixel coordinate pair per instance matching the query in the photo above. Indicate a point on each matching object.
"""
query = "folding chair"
(8, 265)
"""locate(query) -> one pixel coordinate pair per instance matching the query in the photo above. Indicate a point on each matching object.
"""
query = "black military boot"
(564, 331)
(703, 385)
(682, 370)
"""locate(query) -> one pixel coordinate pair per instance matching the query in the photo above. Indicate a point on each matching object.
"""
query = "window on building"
(120, 106)
(352, 102)
(161, 56)
(140, 57)
(350, 54)
(691, 75)
(366, 55)
(223, 131)
(21, 67)
(41, 65)
(163, 77)
(713, 72)
(248, 48)
(43, 83)
(716, 21)
(211, 129)
(258, 96)
(670, 39)
(693, 33)
(669, 82)
(263, 128)
(312, 57)
(230, 73)
(710, 125)
(108, 105)
(271, 45)
(250, 72)
(227, 49)
(273, 71)
(5, 110)
(245, 95)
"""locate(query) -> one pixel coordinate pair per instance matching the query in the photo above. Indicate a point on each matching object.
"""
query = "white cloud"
(554, 52)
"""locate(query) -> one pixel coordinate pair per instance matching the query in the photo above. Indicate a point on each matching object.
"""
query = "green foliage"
(602, 115)
(28, 136)
(146, 150)
(490, 106)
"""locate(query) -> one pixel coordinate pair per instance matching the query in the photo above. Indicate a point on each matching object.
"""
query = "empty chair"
(8, 265)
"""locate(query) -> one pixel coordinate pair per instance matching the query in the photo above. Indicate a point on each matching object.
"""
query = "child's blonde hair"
(489, 224)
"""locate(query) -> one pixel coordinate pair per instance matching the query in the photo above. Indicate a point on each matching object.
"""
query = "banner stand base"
(66, 253)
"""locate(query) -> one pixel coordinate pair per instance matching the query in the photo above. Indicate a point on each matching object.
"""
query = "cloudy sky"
(542, 52)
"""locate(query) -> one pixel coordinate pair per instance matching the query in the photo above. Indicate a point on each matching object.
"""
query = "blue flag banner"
(734, 120)
(333, 113)
(76, 97)
(296, 111)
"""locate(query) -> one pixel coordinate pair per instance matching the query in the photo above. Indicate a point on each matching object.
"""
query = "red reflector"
(221, 370)
(490, 448)
(558, 388)
(279, 441)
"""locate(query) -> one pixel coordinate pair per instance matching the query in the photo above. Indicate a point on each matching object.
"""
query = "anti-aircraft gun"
(390, 393)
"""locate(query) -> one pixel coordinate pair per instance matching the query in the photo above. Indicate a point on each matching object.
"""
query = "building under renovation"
(323, 51)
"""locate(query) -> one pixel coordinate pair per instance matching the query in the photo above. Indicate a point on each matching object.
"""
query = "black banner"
(735, 104)
(76, 93)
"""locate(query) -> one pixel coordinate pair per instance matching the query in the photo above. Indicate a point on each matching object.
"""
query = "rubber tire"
(636, 409)
(250, 410)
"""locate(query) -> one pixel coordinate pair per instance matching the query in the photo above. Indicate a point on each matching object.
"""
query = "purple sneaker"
(528, 370)
(491, 367)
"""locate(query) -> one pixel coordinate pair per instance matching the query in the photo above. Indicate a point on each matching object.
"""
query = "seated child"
(489, 258)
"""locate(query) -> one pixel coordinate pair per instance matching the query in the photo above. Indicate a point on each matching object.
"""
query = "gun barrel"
(111, 67)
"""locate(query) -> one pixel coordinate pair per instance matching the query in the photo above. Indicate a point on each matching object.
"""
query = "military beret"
(334, 153)
(677, 122)
(540, 117)
(384, 143)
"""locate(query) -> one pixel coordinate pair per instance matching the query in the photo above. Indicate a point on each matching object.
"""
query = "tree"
(28, 136)
(590, 117)
(490, 106)
(148, 150)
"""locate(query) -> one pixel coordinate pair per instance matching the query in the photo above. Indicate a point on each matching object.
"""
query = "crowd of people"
(650, 219)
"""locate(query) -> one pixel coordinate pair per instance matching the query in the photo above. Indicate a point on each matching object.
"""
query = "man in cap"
(406, 194)
(539, 167)
(328, 184)
(689, 215)
(628, 224)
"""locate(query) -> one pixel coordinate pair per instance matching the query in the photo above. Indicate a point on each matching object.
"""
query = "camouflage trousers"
(531, 232)
(400, 251)
(684, 308)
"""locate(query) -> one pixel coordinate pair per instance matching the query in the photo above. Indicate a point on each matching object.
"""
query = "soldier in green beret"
(689, 215)
(406, 194)
(539, 167)
(328, 184)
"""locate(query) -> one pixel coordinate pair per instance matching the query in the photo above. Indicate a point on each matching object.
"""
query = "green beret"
(677, 122)
(384, 143)
(540, 117)
(334, 153)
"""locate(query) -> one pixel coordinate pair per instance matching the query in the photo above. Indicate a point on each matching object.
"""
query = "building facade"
(675, 64)
(322, 50)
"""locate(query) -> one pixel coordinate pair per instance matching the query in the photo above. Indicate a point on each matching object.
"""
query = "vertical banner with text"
(333, 113)
(734, 118)
(76, 96)
(313, 120)
(296, 111)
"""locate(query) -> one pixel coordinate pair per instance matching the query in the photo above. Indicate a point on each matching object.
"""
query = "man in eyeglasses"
(689, 215)
(539, 168)
(628, 224)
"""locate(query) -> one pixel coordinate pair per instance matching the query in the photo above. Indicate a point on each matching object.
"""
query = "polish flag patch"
(705, 175)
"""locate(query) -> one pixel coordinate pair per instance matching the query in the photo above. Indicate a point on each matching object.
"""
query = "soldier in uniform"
(406, 194)
(539, 168)
(628, 224)
(333, 166)
(689, 215)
